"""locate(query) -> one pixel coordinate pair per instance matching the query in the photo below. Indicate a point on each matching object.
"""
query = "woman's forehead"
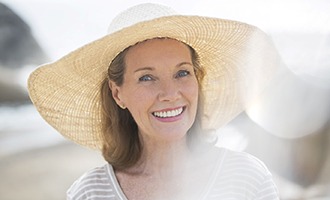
(158, 50)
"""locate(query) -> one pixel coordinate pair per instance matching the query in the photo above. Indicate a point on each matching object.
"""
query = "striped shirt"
(237, 176)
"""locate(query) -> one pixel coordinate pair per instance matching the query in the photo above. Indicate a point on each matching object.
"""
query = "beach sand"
(45, 173)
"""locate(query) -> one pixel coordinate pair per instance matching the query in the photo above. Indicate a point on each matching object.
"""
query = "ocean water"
(23, 129)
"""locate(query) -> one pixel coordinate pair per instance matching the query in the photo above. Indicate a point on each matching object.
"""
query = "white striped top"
(237, 176)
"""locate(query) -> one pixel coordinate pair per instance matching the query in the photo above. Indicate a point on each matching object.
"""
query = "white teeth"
(171, 113)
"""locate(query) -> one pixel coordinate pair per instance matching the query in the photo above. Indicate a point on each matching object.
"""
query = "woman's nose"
(169, 91)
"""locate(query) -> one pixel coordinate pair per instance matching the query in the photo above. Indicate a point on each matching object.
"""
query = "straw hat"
(238, 60)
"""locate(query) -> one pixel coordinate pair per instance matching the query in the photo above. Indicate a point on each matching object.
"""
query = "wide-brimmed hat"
(238, 60)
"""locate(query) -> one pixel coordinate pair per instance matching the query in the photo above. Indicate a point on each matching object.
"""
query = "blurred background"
(288, 127)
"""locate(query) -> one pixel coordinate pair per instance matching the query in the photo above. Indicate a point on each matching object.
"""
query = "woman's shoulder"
(94, 183)
(239, 160)
(241, 172)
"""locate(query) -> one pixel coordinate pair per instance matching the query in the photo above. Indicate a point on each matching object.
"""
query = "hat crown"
(139, 13)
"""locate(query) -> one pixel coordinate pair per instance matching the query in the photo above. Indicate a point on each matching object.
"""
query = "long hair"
(122, 146)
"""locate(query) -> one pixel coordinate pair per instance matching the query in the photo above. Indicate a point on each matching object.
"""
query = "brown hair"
(122, 147)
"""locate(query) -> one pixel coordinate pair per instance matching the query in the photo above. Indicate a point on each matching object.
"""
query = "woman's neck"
(162, 159)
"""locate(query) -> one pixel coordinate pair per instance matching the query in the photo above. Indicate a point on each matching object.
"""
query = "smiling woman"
(159, 87)
(148, 95)
(159, 73)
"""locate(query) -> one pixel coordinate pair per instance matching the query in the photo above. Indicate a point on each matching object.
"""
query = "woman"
(150, 94)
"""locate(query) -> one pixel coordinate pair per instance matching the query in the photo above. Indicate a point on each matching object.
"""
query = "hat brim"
(238, 60)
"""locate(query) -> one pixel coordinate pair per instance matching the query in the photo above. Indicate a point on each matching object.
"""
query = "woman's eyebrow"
(144, 69)
(184, 63)
(151, 68)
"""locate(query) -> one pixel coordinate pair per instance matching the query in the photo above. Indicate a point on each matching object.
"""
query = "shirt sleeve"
(268, 190)
(94, 184)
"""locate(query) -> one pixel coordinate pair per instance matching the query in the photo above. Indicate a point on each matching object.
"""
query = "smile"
(170, 113)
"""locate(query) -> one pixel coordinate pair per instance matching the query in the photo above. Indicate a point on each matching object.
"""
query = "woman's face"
(160, 89)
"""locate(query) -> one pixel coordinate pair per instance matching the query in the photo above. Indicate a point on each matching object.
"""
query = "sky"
(63, 25)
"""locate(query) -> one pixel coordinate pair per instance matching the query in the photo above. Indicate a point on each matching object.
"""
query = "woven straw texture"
(238, 58)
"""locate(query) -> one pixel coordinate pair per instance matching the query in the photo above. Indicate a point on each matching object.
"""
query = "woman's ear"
(116, 94)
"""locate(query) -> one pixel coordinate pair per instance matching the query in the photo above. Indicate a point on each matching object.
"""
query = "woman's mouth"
(168, 113)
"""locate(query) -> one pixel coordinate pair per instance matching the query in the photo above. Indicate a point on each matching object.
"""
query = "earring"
(122, 107)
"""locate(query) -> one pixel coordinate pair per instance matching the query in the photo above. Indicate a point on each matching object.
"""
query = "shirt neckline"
(115, 182)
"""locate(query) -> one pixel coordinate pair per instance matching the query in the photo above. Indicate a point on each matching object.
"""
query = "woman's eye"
(182, 73)
(145, 78)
